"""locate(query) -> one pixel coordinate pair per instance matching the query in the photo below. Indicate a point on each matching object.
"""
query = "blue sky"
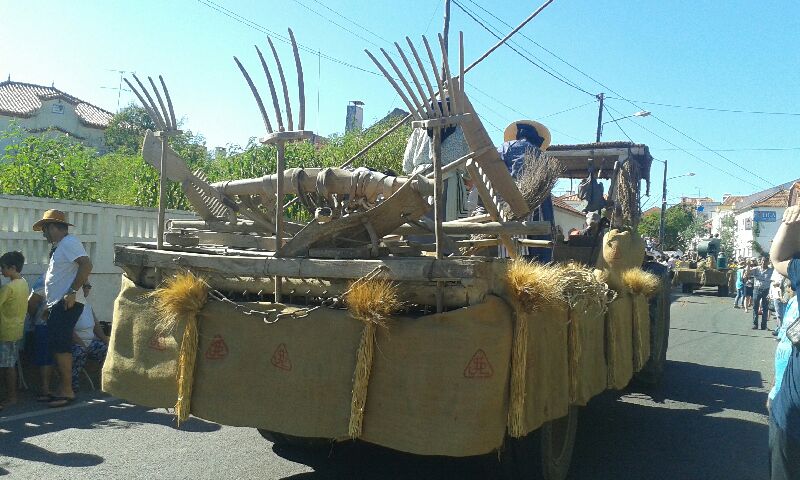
(732, 55)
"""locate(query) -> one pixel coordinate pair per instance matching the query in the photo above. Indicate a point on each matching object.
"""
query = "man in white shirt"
(89, 339)
(68, 270)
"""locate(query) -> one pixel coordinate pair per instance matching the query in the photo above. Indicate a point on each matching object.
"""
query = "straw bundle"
(372, 302)
(643, 285)
(641, 282)
(181, 298)
(533, 286)
(578, 285)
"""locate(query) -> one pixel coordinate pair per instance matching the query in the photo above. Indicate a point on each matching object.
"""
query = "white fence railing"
(99, 226)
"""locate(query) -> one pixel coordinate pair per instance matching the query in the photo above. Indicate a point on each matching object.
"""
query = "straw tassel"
(371, 302)
(181, 299)
(643, 285)
(574, 346)
(519, 367)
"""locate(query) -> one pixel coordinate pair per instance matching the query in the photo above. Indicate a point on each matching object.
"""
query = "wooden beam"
(489, 228)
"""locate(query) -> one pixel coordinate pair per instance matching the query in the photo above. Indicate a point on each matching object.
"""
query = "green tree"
(126, 129)
(678, 223)
(727, 235)
(48, 165)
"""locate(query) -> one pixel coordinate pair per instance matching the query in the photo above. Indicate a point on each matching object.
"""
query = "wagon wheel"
(544, 454)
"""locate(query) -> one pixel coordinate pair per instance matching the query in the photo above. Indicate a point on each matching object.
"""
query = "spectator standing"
(784, 418)
(13, 304)
(747, 276)
(68, 270)
(89, 339)
(739, 287)
(761, 283)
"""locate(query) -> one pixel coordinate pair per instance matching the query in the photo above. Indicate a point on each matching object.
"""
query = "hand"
(69, 301)
(791, 215)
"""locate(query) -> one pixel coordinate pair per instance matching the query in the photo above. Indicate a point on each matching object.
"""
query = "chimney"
(355, 116)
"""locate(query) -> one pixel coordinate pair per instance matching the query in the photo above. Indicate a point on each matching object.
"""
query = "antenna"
(118, 88)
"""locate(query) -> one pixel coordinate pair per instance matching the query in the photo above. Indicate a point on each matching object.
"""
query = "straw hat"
(51, 216)
(511, 132)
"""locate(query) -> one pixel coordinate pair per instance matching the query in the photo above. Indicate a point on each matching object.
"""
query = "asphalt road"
(706, 421)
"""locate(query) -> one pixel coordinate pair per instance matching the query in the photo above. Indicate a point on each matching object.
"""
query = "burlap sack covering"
(684, 275)
(641, 331)
(587, 359)
(439, 383)
(293, 376)
(716, 278)
(547, 367)
(619, 341)
(141, 363)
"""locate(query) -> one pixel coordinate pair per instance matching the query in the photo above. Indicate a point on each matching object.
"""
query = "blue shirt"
(785, 409)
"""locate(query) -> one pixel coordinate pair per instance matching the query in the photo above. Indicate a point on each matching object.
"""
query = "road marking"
(49, 411)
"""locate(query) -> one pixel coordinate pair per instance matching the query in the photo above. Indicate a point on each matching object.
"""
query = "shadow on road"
(14, 432)
(689, 433)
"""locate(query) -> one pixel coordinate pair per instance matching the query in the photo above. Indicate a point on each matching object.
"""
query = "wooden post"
(162, 194)
(281, 165)
(438, 209)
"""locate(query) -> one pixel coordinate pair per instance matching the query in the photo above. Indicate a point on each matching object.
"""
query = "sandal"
(59, 402)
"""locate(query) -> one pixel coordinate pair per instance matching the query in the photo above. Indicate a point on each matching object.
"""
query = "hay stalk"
(371, 302)
(181, 299)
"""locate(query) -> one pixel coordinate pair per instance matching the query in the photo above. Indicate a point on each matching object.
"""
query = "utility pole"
(663, 210)
(600, 96)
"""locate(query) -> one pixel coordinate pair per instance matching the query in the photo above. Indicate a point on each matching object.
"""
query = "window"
(58, 108)
(748, 223)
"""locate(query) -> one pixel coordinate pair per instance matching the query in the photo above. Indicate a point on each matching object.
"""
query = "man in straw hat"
(521, 138)
(67, 272)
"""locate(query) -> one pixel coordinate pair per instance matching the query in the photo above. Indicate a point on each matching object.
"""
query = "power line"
(350, 20)
(315, 12)
(521, 114)
(255, 26)
(616, 122)
(711, 109)
(508, 44)
(763, 149)
(638, 124)
(621, 97)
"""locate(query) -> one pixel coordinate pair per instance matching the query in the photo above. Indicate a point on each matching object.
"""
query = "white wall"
(766, 233)
(568, 220)
(68, 121)
(99, 226)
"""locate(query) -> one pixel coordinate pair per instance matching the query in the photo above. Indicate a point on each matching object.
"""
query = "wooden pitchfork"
(285, 133)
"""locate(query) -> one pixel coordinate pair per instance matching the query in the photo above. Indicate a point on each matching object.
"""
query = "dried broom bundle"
(372, 302)
(580, 283)
(537, 178)
(627, 192)
(181, 298)
(641, 282)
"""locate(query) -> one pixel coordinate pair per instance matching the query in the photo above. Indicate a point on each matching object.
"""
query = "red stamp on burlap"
(280, 358)
(479, 366)
(218, 348)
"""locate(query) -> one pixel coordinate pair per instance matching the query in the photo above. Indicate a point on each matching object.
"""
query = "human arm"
(786, 243)
(33, 303)
(84, 270)
(98, 330)
(77, 340)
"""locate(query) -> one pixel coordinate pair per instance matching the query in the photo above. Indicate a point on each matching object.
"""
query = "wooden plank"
(489, 228)
(224, 239)
(463, 269)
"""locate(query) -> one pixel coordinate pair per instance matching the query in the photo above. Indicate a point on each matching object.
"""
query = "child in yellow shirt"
(13, 306)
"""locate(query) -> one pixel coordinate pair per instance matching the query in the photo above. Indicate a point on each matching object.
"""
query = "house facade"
(758, 222)
(47, 110)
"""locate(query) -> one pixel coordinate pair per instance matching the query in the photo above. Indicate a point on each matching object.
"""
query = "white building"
(566, 217)
(758, 218)
(40, 109)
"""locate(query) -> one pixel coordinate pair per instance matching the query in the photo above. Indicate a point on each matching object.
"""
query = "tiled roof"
(651, 210)
(731, 200)
(24, 99)
(560, 203)
(777, 200)
(750, 200)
